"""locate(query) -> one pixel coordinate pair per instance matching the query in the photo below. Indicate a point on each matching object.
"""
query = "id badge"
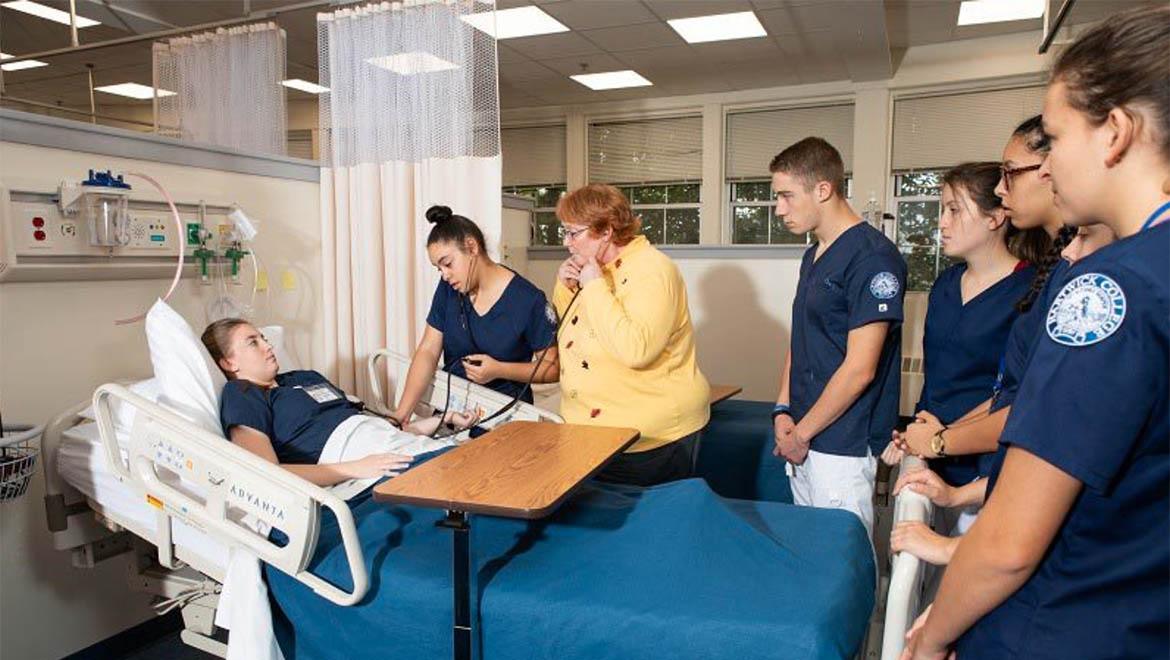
(321, 393)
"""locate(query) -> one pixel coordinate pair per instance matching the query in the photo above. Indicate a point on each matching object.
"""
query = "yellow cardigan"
(627, 350)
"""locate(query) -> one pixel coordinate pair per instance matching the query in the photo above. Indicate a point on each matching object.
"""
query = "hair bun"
(438, 214)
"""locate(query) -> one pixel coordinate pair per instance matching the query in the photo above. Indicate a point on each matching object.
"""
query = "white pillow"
(189, 383)
(123, 414)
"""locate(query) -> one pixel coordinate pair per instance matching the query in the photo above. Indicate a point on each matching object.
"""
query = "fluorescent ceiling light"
(304, 86)
(719, 27)
(414, 62)
(612, 80)
(55, 15)
(975, 12)
(133, 90)
(518, 22)
(17, 66)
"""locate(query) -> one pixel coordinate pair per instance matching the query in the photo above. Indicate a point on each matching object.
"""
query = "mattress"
(82, 461)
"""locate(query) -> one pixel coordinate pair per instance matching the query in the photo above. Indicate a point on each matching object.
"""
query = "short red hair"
(600, 207)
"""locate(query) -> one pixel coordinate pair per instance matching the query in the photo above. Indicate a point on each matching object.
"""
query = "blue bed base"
(735, 455)
(618, 572)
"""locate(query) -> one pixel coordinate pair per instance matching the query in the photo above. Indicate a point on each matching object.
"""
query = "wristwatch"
(938, 444)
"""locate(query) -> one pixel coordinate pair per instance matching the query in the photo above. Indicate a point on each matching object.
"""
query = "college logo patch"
(1087, 310)
(884, 286)
(550, 313)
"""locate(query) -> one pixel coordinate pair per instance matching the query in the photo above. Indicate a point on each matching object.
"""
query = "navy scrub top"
(1022, 340)
(1094, 404)
(519, 325)
(962, 345)
(860, 279)
(297, 415)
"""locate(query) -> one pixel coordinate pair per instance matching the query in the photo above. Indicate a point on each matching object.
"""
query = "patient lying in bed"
(305, 424)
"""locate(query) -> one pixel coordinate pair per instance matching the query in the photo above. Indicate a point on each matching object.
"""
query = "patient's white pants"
(836, 482)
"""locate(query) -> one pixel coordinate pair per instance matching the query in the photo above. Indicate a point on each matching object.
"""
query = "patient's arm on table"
(377, 465)
(422, 370)
(457, 420)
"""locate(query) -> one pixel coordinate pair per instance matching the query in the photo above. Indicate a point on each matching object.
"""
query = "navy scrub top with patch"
(860, 279)
(297, 415)
(1022, 340)
(1095, 406)
(519, 325)
(962, 345)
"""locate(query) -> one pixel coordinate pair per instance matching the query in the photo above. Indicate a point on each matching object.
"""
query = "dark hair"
(979, 180)
(217, 338)
(812, 160)
(600, 207)
(1118, 62)
(1045, 265)
(1031, 131)
(451, 228)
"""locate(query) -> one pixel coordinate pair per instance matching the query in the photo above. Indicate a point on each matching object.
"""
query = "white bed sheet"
(81, 460)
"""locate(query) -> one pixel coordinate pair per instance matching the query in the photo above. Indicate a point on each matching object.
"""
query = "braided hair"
(1044, 268)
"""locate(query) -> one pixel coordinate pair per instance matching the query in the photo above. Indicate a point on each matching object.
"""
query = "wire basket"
(18, 458)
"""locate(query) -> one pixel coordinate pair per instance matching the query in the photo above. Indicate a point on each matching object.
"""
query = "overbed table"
(723, 392)
(518, 470)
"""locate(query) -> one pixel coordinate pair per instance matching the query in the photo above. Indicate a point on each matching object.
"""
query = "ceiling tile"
(668, 9)
(634, 37)
(564, 44)
(571, 66)
(594, 14)
(507, 55)
(518, 72)
(737, 49)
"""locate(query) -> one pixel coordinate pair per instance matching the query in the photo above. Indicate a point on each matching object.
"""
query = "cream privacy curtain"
(411, 119)
(223, 87)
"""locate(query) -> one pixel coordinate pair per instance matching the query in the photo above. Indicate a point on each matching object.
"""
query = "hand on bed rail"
(916, 649)
(918, 539)
(928, 484)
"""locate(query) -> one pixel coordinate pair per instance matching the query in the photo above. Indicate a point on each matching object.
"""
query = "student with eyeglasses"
(491, 326)
(1070, 557)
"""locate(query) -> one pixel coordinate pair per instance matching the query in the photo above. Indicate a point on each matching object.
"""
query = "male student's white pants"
(836, 482)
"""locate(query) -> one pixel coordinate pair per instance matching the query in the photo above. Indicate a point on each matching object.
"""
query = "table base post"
(462, 572)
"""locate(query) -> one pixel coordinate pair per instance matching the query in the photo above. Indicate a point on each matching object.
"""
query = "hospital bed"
(180, 529)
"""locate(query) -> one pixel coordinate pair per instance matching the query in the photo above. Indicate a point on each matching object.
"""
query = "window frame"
(770, 204)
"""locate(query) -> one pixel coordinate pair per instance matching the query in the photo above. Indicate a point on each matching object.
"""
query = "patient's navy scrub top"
(1094, 404)
(962, 346)
(858, 280)
(297, 415)
(519, 325)
(1023, 339)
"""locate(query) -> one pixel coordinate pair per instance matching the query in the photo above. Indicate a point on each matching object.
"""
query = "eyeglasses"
(572, 234)
(1007, 173)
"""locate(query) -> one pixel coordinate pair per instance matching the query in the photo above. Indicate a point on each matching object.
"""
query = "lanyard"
(1154, 216)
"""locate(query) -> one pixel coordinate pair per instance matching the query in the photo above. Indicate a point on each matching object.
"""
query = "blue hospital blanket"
(735, 455)
(673, 571)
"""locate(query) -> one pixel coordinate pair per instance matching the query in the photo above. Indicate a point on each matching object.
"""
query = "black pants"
(670, 462)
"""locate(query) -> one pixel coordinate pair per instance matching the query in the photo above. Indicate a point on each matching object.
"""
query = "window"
(917, 204)
(534, 166)
(657, 164)
(753, 215)
(546, 229)
(754, 137)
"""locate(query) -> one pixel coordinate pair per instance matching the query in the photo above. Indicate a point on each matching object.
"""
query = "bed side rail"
(464, 393)
(904, 599)
(188, 473)
(63, 502)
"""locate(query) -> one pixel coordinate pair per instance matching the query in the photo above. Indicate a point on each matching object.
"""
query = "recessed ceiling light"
(718, 27)
(414, 62)
(133, 90)
(612, 80)
(975, 12)
(518, 22)
(304, 86)
(55, 15)
(17, 66)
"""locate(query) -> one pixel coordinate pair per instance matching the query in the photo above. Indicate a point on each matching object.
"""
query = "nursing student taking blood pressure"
(489, 324)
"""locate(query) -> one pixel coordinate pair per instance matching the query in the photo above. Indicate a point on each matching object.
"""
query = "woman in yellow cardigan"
(626, 342)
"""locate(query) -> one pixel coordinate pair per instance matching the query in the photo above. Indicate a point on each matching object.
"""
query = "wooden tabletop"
(723, 392)
(518, 470)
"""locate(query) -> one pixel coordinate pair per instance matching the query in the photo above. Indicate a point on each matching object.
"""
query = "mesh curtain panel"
(226, 87)
(411, 119)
